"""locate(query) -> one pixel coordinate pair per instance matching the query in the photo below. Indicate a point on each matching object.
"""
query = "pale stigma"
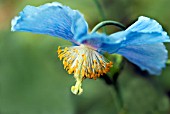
(83, 62)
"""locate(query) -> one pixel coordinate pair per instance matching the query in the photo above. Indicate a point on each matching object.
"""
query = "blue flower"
(141, 43)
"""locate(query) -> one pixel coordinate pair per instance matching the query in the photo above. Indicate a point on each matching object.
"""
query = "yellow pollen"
(59, 47)
(94, 61)
(59, 51)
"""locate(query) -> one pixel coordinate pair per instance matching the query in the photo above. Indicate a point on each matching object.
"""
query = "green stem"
(106, 23)
(101, 12)
(116, 84)
(113, 81)
(117, 89)
(107, 79)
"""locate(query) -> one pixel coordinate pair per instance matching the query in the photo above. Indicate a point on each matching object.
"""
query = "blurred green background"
(33, 81)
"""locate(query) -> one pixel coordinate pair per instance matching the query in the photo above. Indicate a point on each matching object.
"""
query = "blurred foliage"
(33, 81)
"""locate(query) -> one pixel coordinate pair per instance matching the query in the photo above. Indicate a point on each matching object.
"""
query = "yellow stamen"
(83, 62)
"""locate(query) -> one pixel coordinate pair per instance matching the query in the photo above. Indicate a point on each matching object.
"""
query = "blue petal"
(142, 44)
(145, 24)
(101, 42)
(145, 31)
(148, 57)
(53, 19)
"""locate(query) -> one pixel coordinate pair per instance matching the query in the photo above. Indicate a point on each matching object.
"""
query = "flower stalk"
(106, 23)
(107, 79)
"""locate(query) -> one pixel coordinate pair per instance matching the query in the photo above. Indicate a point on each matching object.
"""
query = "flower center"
(83, 62)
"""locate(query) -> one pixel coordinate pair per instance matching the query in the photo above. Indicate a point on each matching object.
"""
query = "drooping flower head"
(141, 43)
